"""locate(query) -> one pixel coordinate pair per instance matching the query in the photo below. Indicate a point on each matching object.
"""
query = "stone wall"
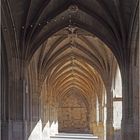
(73, 115)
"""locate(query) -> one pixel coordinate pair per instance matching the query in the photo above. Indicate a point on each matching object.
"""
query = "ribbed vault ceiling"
(63, 36)
(27, 24)
(73, 59)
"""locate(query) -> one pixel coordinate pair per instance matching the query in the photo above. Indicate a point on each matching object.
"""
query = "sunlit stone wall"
(73, 115)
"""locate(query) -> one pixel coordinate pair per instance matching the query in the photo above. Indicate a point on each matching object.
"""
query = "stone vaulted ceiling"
(28, 23)
(66, 37)
(73, 59)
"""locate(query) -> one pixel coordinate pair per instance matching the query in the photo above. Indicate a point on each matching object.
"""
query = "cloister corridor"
(69, 70)
(75, 96)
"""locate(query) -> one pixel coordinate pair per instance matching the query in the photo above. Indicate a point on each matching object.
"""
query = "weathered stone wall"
(73, 115)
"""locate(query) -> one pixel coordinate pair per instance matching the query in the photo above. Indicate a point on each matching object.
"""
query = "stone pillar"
(56, 119)
(46, 129)
(93, 115)
(53, 115)
(54, 122)
(127, 115)
(101, 130)
(35, 107)
(12, 112)
(93, 123)
(17, 101)
(4, 95)
(130, 77)
(100, 113)
(17, 125)
(101, 123)
(109, 121)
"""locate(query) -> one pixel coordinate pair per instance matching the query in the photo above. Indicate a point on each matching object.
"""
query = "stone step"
(74, 136)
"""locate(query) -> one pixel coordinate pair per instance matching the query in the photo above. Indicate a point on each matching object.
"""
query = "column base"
(109, 131)
(128, 130)
(12, 130)
(101, 130)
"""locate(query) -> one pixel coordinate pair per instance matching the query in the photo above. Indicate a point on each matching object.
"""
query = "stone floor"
(74, 136)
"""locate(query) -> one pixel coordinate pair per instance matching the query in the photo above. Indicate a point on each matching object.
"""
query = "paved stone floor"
(74, 136)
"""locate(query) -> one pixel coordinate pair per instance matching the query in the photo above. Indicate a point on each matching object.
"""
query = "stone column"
(11, 112)
(17, 100)
(17, 125)
(53, 114)
(101, 123)
(46, 129)
(93, 123)
(109, 121)
(130, 77)
(54, 123)
(100, 113)
(4, 96)
(93, 118)
(127, 115)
